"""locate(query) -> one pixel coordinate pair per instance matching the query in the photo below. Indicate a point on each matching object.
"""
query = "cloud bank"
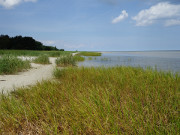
(163, 11)
(11, 3)
(121, 17)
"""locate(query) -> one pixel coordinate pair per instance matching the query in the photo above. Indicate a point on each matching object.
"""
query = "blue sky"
(95, 25)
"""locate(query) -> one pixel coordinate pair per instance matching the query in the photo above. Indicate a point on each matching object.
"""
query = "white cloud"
(172, 22)
(11, 3)
(162, 11)
(121, 17)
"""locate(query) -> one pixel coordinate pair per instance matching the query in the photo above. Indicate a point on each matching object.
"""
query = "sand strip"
(36, 74)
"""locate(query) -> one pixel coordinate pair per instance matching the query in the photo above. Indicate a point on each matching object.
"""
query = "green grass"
(90, 58)
(66, 60)
(117, 100)
(42, 59)
(11, 64)
(89, 54)
(34, 53)
(79, 58)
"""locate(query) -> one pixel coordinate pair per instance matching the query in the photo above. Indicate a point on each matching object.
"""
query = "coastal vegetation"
(42, 59)
(34, 53)
(66, 60)
(11, 64)
(116, 100)
(79, 58)
(89, 54)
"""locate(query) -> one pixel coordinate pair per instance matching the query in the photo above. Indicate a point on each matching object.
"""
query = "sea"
(157, 60)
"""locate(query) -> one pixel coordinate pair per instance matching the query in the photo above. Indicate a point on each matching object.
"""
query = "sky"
(95, 25)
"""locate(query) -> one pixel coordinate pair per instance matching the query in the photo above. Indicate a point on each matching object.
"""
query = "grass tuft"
(66, 60)
(117, 100)
(42, 59)
(11, 64)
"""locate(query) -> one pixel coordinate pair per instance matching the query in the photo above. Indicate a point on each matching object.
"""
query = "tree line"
(23, 43)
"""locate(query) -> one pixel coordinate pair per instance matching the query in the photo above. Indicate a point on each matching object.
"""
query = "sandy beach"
(36, 74)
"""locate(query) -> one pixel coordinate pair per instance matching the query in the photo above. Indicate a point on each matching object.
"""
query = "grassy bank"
(118, 100)
(34, 53)
(12, 64)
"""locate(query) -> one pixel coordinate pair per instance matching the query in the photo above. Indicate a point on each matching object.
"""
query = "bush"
(12, 64)
(42, 59)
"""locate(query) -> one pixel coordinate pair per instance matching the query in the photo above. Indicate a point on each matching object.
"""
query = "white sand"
(36, 74)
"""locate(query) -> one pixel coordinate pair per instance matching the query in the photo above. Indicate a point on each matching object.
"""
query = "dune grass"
(66, 60)
(42, 59)
(89, 54)
(117, 100)
(11, 64)
(34, 53)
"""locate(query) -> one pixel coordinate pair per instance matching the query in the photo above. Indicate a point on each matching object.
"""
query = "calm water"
(161, 60)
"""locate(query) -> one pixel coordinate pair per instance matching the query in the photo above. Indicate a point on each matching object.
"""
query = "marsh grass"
(117, 100)
(42, 59)
(90, 58)
(11, 64)
(66, 60)
(89, 54)
(79, 58)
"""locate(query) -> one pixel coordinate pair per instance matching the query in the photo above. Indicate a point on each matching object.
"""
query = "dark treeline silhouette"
(22, 43)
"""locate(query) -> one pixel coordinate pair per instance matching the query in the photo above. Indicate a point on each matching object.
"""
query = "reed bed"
(117, 100)
(11, 64)
(42, 59)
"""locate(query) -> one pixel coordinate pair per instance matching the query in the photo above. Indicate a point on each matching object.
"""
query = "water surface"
(160, 60)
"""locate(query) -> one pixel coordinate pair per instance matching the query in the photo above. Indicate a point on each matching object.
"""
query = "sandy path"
(36, 74)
